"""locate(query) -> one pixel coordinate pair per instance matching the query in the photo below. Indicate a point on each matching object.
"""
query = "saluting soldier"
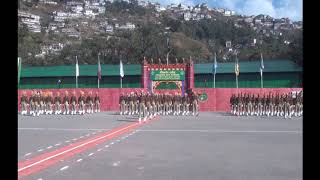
(66, 103)
(89, 102)
(57, 101)
(49, 103)
(97, 102)
(122, 104)
(81, 101)
(24, 103)
(73, 103)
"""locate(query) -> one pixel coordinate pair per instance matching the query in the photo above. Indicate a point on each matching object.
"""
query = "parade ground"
(213, 145)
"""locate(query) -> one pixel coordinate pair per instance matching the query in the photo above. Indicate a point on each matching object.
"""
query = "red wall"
(218, 98)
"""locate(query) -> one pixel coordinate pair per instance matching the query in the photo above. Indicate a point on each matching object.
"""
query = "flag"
(19, 69)
(77, 68)
(215, 65)
(237, 68)
(121, 69)
(261, 65)
(99, 70)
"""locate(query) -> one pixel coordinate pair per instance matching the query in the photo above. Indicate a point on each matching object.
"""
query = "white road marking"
(90, 154)
(218, 131)
(99, 150)
(40, 150)
(75, 147)
(27, 154)
(58, 144)
(49, 147)
(64, 168)
(61, 129)
(79, 160)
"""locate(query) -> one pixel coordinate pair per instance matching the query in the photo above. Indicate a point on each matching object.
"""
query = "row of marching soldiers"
(151, 104)
(45, 103)
(285, 105)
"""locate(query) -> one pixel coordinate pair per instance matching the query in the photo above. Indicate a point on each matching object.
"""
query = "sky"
(274, 8)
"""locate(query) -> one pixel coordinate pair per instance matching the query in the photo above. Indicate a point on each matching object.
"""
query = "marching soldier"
(49, 102)
(66, 102)
(57, 101)
(73, 103)
(97, 102)
(122, 104)
(37, 103)
(89, 102)
(142, 107)
(184, 104)
(81, 101)
(24, 103)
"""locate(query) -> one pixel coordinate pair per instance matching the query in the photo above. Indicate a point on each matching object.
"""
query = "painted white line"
(64, 168)
(27, 154)
(219, 131)
(58, 144)
(49, 147)
(79, 160)
(75, 147)
(40, 150)
(61, 129)
(91, 154)
(99, 150)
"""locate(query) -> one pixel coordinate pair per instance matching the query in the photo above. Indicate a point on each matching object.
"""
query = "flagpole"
(76, 74)
(98, 76)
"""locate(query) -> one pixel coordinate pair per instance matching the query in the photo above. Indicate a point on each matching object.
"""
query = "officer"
(49, 102)
(122, 104)
(97, 102)
(89, 103)
(73, 103)
(81, 101)
(66, 102)
(195, 109)
(57, 101)
(24, 103)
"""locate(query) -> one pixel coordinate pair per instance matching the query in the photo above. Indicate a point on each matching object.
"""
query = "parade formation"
(39, 103)
(147, 104)
(271, 104)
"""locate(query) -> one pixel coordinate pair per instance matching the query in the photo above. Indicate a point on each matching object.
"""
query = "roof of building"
(135, 69)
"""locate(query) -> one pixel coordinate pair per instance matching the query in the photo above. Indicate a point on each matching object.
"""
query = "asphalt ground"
(210, 146)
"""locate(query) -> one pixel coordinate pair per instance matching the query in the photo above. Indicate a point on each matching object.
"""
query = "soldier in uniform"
(97, 102)
(142, 107)
(49, 102)
(81, 101)
(122, 104)
(24, 103)
(89, 103)
(57, 102)
(195, 108)
(73, 101)
(66, 103)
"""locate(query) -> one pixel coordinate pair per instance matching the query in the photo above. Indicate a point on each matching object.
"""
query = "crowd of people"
(147, 104)
(39, 103)
(286, 105)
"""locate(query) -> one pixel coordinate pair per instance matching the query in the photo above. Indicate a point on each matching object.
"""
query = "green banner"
(160, 75)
